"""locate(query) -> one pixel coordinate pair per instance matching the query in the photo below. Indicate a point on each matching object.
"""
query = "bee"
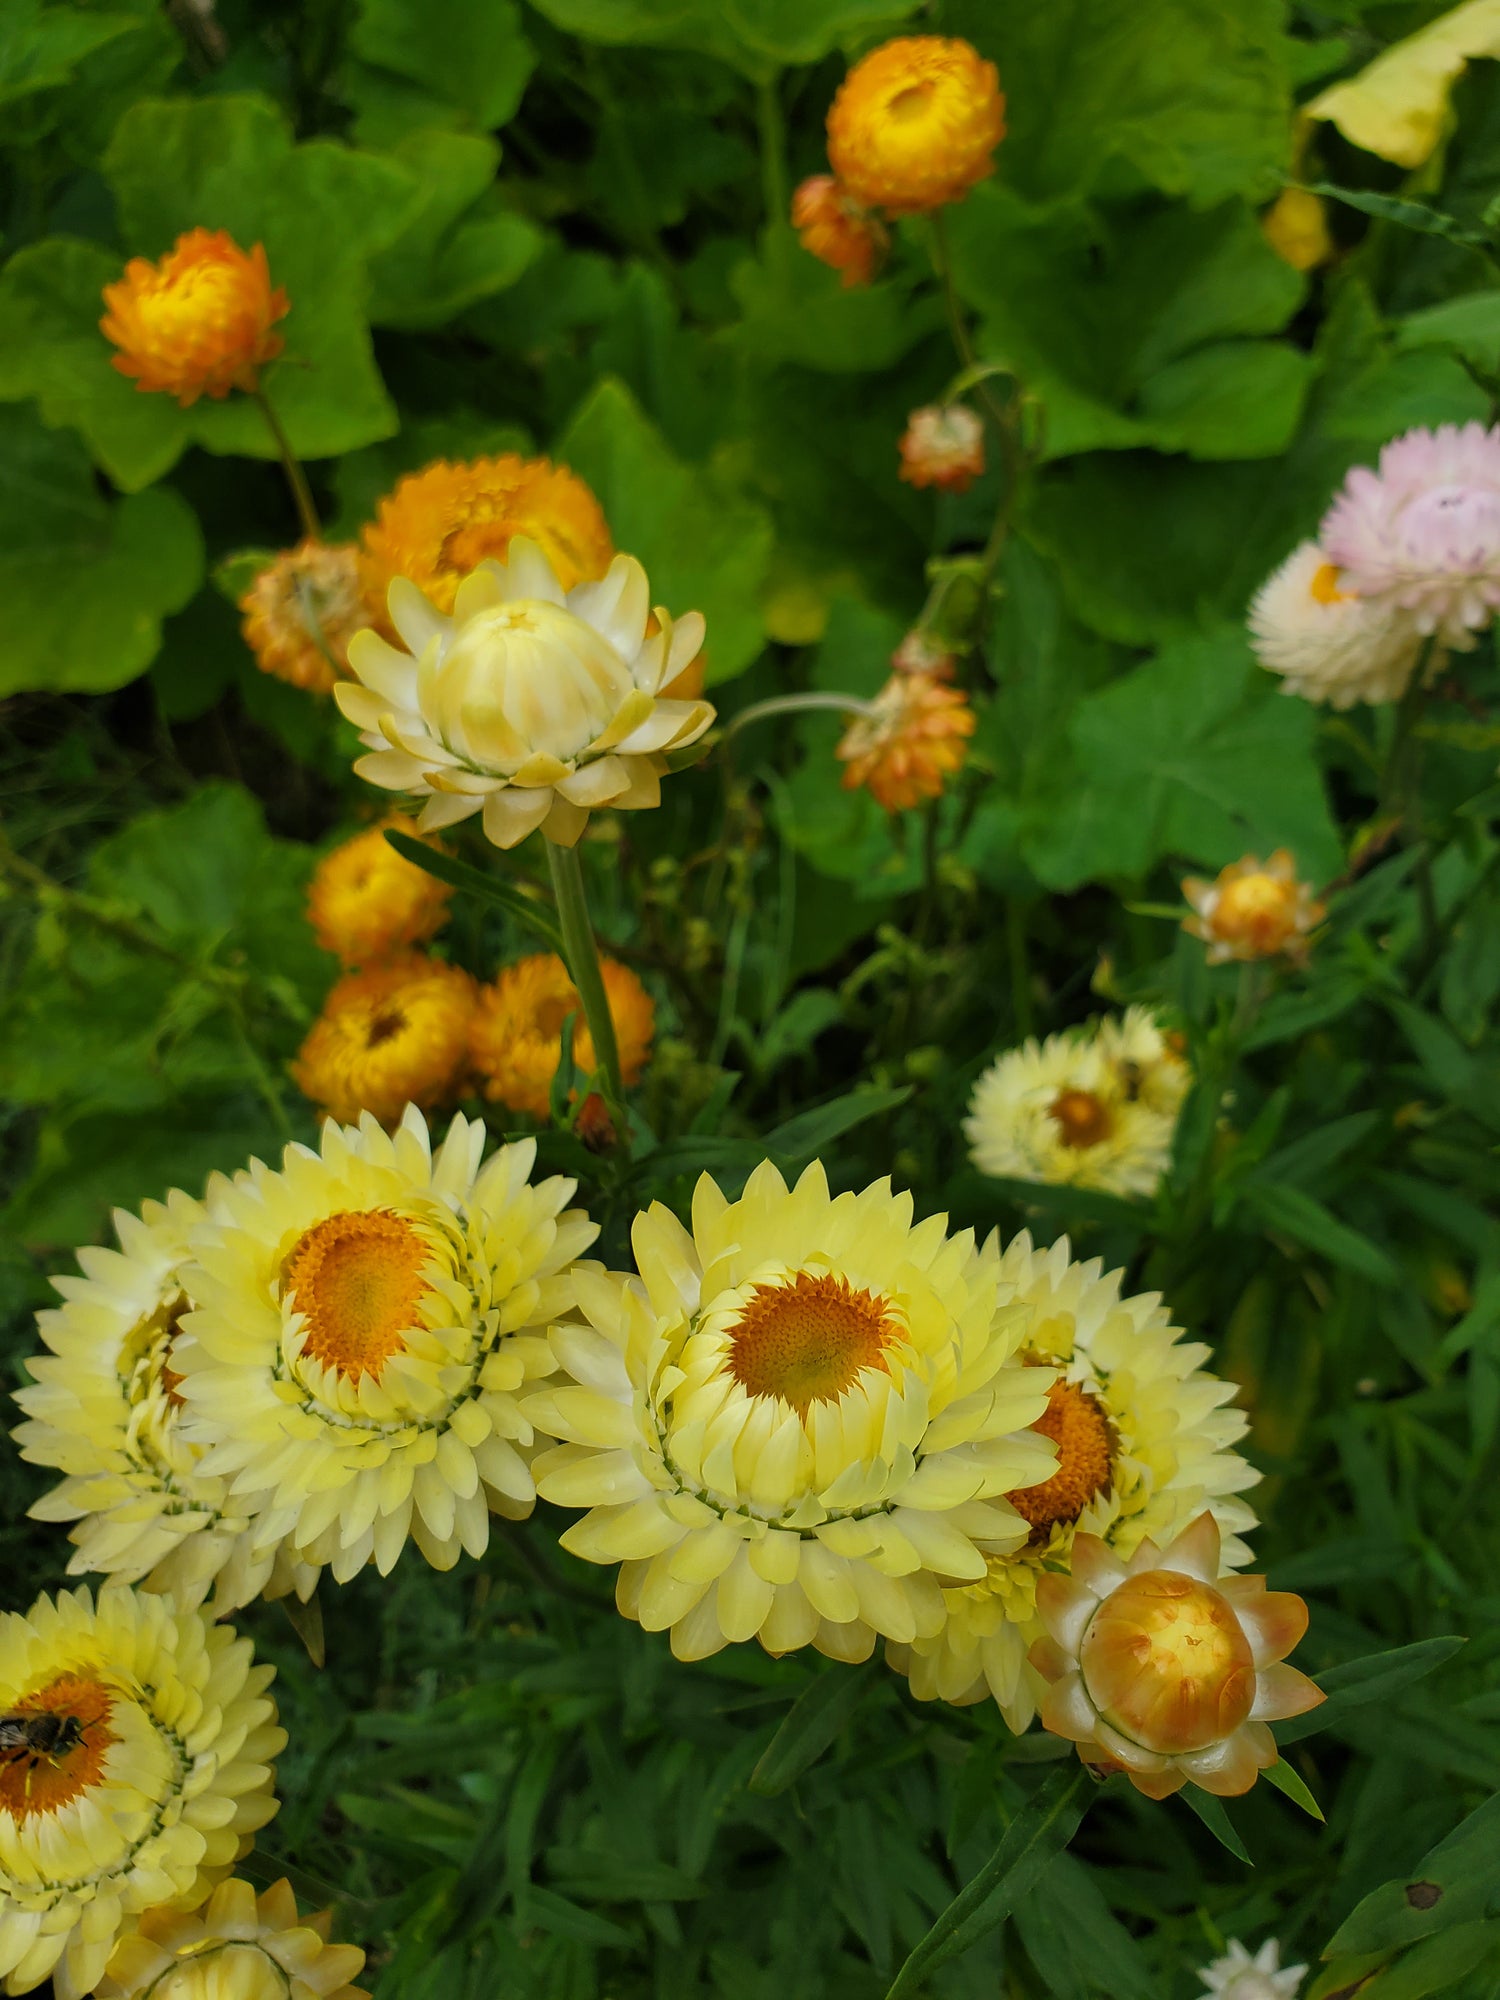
(41, 1736)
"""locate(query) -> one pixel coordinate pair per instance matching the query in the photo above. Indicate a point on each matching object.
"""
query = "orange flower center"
(358, 1277)
(1325, 585)
(63, 1759)
(805, 1342)
(1081, 1118)
(1259, 909)
(1077, 1425)
(1165, 1662)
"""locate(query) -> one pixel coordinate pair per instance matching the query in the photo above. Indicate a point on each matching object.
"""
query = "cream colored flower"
(105, 1410)
(1239, 1976)
(530, 703)
(1094, 1108)
(365, 1321)
(1144, 1445)
(1398, 105)
(1328, 644)
(158, 1780)
(1166, 1669)
(787, 1427)
(240, 1947)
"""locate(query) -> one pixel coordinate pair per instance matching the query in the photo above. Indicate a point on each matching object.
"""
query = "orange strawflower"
(366, 901)
(301, 612)
(903, 751)
(516, 1036)
(942, 446)
(395, 1035)
(837, 230)
(198, 322)
(915, 124)
(1253, 911)
(442, 522)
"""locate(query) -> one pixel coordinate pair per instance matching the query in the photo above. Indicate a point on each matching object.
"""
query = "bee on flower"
(1096, 1107)
(1241, 1975)
(1253, 910)
(392, 1035)
(515, 1036)
(366, 901)
(943, 446)
(909, 741)
(198, 322)
(1166, 1668)
(301, 611)
(915, 124)
(239, 1946)
(838, 230)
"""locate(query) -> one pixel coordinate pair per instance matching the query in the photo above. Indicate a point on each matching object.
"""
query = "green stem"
(797, 704)
(582, 955)
(307, 513)
(773, 175)
(958, 326)
(1020, 967)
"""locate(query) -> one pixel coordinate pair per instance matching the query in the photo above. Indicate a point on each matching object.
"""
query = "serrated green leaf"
(454, 251)
(471, 54)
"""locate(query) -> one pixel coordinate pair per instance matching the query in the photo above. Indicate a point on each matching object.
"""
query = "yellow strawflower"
(1253, 910)
(787, 1428)
(366, 901)
(300, 613)
(240, 1946)
(915, 124)
(199, 321)
(159, 1775)
(516, 1034)
(393, 1035)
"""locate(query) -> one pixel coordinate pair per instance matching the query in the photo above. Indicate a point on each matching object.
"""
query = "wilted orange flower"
(1165, 1669)
(395, 1035)
(198, 322)
(1253, 911)
(365, 900)
(516, 1036)
(916, 123)
(837, 230)
(442, 522)
(903, 752)
(942, 446)
(301, 612)
(920, 653)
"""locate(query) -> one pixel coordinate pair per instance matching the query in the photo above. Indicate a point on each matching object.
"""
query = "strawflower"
(1329, 644)
(1239, 1976)
(1144, 1438)
(516, 1032)
(1423, 532)
(366, 901)
(1296, 227)
(199, 321)
(1166, 1669)
(787, 1426)
(837, 230)
(915, 124)
(365, 1320)
(301, 611)
(531, 704)
(920, 653)
(392, 1035)
(1252, 910)
(942, 446)
(911, 742)
(240, 1946)
(160, 1779)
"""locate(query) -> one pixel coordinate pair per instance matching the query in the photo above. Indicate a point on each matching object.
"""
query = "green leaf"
(1080, 1204)
(1040, 1830)
(1470, 325)
(1437, 1964)
(1285, 1779)
(1415, 215)
(454, 251)
(470, 54)
(1075, 1941)
(804, 1136)
(1376, 1677)
(474, 882)
(1301, 1216)
(757, 36)
(816, 1718)
(39, 48)
(1453, 1883)
(86, 581)
(1215, 1817)
(705, 548)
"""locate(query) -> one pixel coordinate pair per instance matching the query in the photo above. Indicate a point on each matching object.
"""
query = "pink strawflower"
(1423, 532)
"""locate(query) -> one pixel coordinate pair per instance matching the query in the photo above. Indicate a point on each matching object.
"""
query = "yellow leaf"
(1397, 105)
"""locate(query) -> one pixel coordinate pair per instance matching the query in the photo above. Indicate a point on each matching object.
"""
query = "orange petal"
(1196, 1550)
(1273, 1624)
(1281, 1691)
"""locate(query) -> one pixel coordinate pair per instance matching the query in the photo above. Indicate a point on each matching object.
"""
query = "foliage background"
(560, 227)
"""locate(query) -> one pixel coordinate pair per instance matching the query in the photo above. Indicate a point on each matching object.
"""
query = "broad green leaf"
(756, 36)
(471, 54)
(86, 581)
(795, 309)
(534, 916)
(704, 546)
(39, 47)
(455, 250)
(816, 1718)
(1437, 1965)
(1455, 1881)
(1470, 325)
(1238, 399)
(1376, 1677)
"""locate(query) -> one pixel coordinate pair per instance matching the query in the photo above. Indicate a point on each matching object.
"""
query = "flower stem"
(307, 513)
(771, 128)
(797, 704)
(582, 955)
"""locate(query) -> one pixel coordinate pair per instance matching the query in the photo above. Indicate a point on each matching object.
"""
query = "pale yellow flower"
(787, 1428)
(239, 1947)
(1398, 105)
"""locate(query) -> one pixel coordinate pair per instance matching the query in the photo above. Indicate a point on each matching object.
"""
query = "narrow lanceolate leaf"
(1285, 1779)
(1042, 1828)
(1215, 1817)
(813, 1721)
(474, 882)
(1376, 1677)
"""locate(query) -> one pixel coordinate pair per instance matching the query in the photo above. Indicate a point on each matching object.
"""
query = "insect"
(43, 1735)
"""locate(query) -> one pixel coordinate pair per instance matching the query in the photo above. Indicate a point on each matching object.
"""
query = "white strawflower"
(1328, 643)
(1238, 1976)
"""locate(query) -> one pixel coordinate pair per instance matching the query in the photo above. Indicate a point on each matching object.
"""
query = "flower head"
(909, 744)
(837, 230)
(531, 704)
(1296, 227)
(943, 446)
(104, 1409)
(366, 1318)
(240, 1946)
(515, 1038)
(785, 1427)
(915, 124)
(1251, 910)
(393, 1035)
(1329, 644)
(1423, 533)
(157, 1777)
(301, 612)
(365, 900)
(1238, 1976)
(1166, 1669)
(199, 321)
(441, 523)
(1095, 1108)
(1144, 1440)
